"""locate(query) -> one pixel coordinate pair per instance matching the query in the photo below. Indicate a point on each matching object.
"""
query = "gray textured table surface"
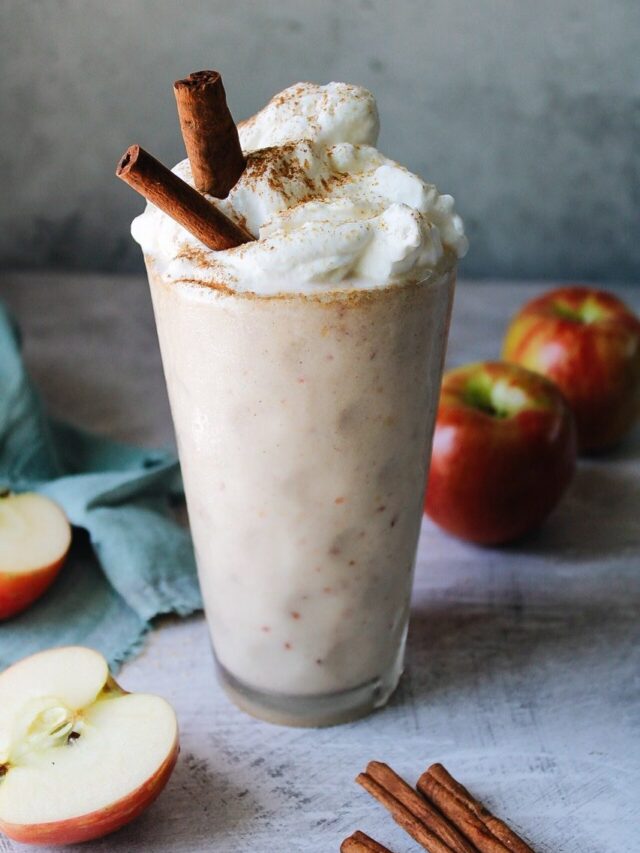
(523, 664)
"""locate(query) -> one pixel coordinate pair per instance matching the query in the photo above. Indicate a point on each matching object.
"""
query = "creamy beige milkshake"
(303, 372)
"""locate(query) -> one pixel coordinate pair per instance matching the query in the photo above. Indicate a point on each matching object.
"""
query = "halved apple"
(79, 756)
(34, 540)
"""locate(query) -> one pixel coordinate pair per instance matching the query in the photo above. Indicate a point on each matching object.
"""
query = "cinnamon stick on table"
(419, 807)
(487, 832)
(209, 132)
(180, 201)
(402, 816)
(361, 843)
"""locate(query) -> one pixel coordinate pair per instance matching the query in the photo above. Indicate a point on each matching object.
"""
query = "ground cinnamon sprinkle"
(193, 255)
(285, 175)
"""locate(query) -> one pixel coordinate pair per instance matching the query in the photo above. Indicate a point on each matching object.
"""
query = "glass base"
(311, 711)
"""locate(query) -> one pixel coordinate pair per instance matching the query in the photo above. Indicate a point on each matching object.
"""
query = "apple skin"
(498, 471)
(19, 591)
(588, 342)
(98, 823)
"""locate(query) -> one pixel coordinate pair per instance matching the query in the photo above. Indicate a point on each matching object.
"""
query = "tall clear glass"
(304, 425)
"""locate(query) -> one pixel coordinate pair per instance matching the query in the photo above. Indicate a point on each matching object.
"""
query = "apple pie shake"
(303, 371)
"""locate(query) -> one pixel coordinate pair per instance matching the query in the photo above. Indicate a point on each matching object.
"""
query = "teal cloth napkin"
(133, 563)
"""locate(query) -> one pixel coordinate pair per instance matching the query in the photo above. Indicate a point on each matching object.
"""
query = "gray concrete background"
(528, 112)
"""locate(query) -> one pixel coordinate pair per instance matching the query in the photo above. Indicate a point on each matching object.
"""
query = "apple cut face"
(34, 533)
(79, 757)
(34, 540)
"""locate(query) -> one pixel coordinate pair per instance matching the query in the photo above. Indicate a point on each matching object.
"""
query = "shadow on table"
(599, 517)
(212, 805)
(545, 606)
(197, 807)
(465, 649)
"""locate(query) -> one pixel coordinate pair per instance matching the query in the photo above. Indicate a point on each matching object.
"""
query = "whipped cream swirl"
(328, 210)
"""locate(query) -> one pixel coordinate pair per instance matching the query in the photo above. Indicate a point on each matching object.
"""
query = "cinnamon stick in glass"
(209, 132)
(180, 201)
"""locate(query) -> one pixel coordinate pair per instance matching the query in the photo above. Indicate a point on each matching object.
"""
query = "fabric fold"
(140, 562)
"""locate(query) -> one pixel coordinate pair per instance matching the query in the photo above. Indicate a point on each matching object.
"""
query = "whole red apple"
(588, 342)
(504, 451)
